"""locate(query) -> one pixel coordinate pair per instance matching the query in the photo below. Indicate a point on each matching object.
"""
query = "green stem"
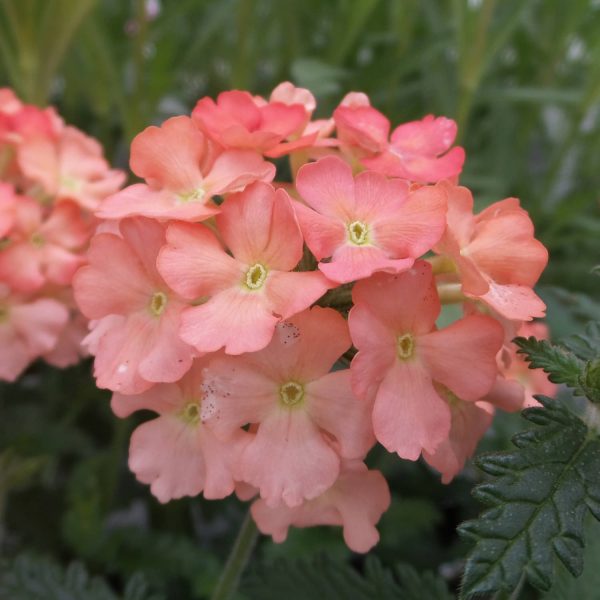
(237, 560)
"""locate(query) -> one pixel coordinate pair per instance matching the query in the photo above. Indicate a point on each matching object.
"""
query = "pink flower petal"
(409, 416)
(462, 356)
(291, 293)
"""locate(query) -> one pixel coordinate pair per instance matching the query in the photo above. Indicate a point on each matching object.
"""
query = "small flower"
(367, 224)
(244, 295)
(401, 355)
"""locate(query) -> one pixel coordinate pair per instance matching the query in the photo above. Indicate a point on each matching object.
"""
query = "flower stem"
(237, 560)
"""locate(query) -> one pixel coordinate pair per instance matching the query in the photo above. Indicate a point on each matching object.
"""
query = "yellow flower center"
(256, 276)
(191, 413)
(291, 393)
(358, 233)
(37, 240)
(158, 303)
(405, 346)
(196, 195)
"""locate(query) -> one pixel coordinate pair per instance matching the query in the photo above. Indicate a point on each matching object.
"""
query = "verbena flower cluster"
(218, 294)
(52, 178)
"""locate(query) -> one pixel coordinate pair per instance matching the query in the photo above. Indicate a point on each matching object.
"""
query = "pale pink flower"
(138, 313)
(28, 329)
(496, 255)
(355, 502)
(239, 120)
(183, 170)
(419, 151)
(367, 224)
(70, 166)
(42, 250)
(305, 418)
(176, 453)
(401, 355)
(69, 349)
(248, 292)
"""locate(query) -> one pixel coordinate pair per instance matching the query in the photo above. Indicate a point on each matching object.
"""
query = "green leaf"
(539, 497)
(323, 578)
(29, 577)
(561, 365)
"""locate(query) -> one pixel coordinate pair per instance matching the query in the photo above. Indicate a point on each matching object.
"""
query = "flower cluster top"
(280, 328)
(52, 178)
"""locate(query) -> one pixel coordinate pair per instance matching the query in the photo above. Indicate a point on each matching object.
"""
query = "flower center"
(405, 346)
(158, 303)
(37, 240)
(291, 393)
(358, 232)
(191, 413)
(196, 195)
(256, 276)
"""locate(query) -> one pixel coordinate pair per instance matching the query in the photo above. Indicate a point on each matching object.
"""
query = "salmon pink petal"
(168, 358)
(415, 226)
(291, 293)
(429, 136)
(407, 302)
(163, 398)
(505, 249)
(461, 222)
(362, 126)
(233, 108)
(233, 170)
(29, 276)
(66, 226)
(69, 350)
(169, 156)
(114, 282)
(180, 460)
(287, 93)
(236, 320)
(468, 345)
(322, 234)
(28, 331)
(288, 459)
(283, 119)
(327, 186)
(139, 199)
(409, 416)
(239, 392)
(359, 262)
(194, 262)
(333, 406)
(470, 421)
(515, 302)
(259, 225)
(306, 346)
(506, 394)
(378, 197)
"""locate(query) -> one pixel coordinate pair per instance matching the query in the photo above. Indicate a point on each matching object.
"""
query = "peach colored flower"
(248, 292)
(176, 453)
(497, 258)
(419, 151)
(401, 355)
(183, 170)
(367, 224)
(355, 501)
(43, 249)
(28, 329)
(138, 314)
(304, 418)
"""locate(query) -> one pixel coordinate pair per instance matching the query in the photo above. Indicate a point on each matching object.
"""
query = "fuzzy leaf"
(538, 499)
(29, 577)
(561, 365)
(324, 578)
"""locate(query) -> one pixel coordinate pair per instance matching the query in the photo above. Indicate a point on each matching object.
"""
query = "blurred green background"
(522, 78)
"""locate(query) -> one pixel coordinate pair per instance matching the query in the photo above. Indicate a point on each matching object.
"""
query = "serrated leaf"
(537, 505)
(29, 577)
(324, 578)
(561, 365)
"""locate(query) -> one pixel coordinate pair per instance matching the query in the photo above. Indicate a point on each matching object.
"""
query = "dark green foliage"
(539, 497)
(33, 578)
(323, 578)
